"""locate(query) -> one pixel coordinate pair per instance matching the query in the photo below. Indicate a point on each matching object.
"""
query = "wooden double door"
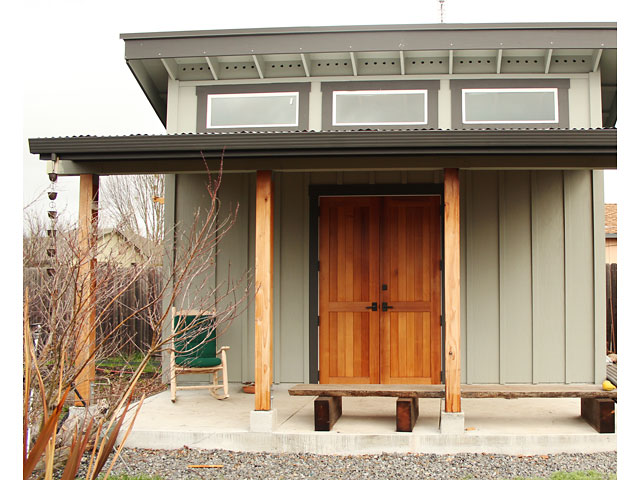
(379, 290)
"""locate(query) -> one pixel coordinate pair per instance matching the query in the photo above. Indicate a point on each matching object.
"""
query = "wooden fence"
(136, 333)
(612, 307)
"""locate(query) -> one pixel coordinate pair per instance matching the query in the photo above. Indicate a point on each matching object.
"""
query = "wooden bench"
(596, 405)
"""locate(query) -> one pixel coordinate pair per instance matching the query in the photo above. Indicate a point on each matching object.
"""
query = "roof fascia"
(369, 39)
(297, 151)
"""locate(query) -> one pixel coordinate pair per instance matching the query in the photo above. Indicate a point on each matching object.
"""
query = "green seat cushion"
(200, 349)
(198, 362)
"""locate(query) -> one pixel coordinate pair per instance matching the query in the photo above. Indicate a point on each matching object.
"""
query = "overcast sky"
(81, 85)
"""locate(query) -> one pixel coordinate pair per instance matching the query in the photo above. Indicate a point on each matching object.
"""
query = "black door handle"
(373, 307)
(385, 307)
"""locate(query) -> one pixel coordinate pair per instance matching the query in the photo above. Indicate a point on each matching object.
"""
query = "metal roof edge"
(308, 140)
(372, 28)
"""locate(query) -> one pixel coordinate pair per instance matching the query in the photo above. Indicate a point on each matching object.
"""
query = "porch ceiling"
(403, 51)
(332, 150)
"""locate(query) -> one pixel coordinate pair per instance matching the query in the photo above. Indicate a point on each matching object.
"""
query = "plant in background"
(61, 320)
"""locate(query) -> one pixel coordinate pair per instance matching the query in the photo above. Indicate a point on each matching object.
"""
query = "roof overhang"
(346, 150)
(269, 54)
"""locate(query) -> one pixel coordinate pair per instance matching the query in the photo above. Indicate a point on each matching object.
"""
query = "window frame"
(204, 91)
(212, 96)
(553, 90)
(430, 86)
(336, 93)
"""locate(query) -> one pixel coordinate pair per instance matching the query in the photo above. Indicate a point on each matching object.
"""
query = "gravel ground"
(174, 464)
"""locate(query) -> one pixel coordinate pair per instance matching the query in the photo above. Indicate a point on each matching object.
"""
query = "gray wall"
(527, 270)
(529, 277)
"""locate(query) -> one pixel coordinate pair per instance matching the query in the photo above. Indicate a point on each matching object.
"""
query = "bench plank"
(368, 390)
(468, 391)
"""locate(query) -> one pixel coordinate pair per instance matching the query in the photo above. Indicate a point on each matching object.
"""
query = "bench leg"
(327, 410)
(599, 413)
(407, 412)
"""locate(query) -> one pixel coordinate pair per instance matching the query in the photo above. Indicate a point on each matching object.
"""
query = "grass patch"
(128, 363)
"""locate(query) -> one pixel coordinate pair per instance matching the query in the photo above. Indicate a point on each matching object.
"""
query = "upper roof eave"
(366, 38)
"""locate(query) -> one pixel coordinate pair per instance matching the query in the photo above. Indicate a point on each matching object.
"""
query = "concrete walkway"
(367, 426)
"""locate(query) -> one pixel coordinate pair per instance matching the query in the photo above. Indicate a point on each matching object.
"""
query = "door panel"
(379, 249)
(410, 265)
(349, 279)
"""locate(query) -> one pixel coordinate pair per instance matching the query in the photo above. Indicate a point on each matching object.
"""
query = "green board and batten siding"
(527, 312)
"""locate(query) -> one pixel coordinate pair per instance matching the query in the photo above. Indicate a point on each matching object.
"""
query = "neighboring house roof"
(364, 51)
(611, 219)
(141, 245)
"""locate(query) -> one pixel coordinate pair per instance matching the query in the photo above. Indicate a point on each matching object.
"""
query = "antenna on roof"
(441, 11)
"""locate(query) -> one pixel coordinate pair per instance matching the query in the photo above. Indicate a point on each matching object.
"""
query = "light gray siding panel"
(293, 256)
(248, 368)
(548, 277)
(483, 309)
(464, 195)
(232, 264)
(579, 276)
(516, 342)
(599, 306)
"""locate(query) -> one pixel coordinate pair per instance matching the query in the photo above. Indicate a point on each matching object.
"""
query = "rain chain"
(53, 218)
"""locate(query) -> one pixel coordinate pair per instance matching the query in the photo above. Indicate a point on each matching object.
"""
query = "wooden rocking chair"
(197, 354)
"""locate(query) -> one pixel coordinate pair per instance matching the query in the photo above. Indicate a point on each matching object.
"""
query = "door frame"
(386, 190)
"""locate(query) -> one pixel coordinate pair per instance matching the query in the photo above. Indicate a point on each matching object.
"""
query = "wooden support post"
(86, 295)
(599, 413)
(327, 411)
(407, 411)
(264, 290)
(452, 289)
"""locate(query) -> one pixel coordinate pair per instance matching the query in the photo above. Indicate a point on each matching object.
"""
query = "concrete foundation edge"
(263, 420)
(331, 443)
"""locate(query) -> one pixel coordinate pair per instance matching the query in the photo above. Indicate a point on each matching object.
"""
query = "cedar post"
(86, 295)
(452, 289)
(264, 289)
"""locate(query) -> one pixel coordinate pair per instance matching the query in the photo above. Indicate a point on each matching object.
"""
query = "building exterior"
(436, 193)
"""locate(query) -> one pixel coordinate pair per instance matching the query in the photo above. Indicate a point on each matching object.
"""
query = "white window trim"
(212, 96)
(377, 92)
(556, 118)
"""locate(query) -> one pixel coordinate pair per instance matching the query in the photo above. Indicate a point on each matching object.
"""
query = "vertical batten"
(277, 262)
(599, 283)
(264, 290)
(305, 281)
